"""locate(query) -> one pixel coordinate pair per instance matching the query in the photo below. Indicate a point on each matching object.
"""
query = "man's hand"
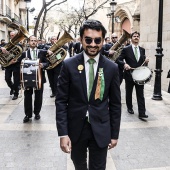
(13, 61)
(4, 50)
(111, 52)
(113, 143)
(147, 60)
(65, 144)
(127, 67)
(41, 65)
(49, 52)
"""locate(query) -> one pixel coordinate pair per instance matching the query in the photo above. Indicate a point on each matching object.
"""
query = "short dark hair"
(135, 32)
(94, 25)
(31, 36)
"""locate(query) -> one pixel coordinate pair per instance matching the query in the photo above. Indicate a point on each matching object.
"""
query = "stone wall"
(149, 31)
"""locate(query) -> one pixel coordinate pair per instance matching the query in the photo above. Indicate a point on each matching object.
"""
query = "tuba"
(118, 46)
(58, 53)
(14, 50)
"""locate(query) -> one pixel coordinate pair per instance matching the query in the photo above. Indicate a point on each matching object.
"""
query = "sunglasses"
(114, 37)
(89, 40)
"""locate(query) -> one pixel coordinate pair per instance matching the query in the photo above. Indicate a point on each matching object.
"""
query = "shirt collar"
(86, 58)
(135, 46)
(33, 49)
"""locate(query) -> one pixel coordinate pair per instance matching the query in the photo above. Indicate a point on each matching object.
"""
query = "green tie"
(91, 75)
(136, 53)
(34, 54)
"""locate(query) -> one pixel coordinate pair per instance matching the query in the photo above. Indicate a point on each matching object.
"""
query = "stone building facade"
(11, 11)
(142, 16)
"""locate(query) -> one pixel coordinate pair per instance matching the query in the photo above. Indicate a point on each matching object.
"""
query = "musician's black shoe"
(143, 116)
(11, 92)
(26, 119)
(130, 111)
(15, 97)
(37, 117)
(52, 95)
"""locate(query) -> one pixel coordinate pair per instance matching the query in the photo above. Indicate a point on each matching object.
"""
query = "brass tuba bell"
(14, 50)
(117, 47)
(58, 53)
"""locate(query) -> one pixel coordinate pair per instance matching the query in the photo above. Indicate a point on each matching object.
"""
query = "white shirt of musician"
(133, 47)
(32, 53)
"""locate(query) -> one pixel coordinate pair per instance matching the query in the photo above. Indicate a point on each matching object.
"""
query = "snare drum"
(141, 75)
(30, 74)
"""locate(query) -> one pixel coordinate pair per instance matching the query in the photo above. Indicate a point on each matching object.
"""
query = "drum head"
(141, 73)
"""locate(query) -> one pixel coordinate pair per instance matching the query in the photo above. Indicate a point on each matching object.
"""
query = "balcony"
(8, 12)
(17, 19)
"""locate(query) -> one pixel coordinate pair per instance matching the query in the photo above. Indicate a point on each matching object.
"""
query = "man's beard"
(87, 51)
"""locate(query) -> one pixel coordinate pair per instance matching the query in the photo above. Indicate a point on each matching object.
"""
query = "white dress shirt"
(32, 53)
(86, 64)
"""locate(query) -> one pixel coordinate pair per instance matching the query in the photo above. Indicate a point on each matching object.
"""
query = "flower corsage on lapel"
(100, 85)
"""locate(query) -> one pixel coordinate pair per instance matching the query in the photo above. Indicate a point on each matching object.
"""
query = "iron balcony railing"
(17, 19)
(8, 12)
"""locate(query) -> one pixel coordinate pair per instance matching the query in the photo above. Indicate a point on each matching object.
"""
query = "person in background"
(3, 43)
(133, 56)
(88, 101)
(13, 70)
(33, 54)
(54, 72)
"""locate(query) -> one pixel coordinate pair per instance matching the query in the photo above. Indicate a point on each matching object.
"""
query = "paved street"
(143, 145)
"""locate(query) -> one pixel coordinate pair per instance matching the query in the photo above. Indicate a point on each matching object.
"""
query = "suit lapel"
(82, 74)
(29, 54)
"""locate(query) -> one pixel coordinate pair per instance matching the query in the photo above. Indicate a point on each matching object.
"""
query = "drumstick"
(143, 63)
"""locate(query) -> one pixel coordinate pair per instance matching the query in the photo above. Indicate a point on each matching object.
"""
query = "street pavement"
(143, 145)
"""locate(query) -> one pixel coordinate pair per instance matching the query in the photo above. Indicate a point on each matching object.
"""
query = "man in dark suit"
(77, 47)
(12, 71)
(131, 57)
(88, 102)
(32, 54)
(53, 73)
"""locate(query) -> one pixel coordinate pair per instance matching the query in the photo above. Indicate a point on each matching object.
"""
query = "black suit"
(127, 56)
(38, 93)
(13, 70)
(53, 73)
(72, 105)
(78, 48)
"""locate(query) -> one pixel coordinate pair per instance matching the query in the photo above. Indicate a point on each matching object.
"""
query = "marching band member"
(12, 70)
(133, 56)
(33, 53)
(54, 72)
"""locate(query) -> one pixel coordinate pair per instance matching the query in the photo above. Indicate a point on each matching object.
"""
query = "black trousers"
(97, 156)
(38, 98)
(15, 72)
(53, 77)
(139, 94)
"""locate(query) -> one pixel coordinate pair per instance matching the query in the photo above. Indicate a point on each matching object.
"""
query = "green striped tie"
(91, 75)
(34, 54)
(136, 53)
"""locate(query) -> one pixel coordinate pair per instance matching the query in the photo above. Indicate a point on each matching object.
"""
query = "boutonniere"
(80, 68)
(100, 85)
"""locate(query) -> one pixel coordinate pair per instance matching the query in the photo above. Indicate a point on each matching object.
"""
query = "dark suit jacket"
(72, 101)
(78, 48)
(127, 56)
(43, 60)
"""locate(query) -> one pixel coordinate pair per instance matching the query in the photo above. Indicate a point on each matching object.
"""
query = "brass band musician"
(33, 53)
(12, 70)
